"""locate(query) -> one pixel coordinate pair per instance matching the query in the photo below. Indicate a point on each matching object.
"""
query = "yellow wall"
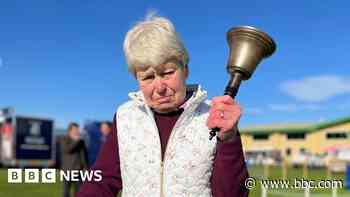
(276, 141)
(314, 142)
(318, 140)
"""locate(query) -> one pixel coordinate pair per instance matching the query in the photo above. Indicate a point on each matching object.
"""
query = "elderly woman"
(159, 145)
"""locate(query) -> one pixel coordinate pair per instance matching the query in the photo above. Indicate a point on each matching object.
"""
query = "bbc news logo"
(17, 175)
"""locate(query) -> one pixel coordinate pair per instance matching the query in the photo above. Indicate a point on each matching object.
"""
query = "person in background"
(74, 156)
(159, 145)
(6, 132)
(95, 138)
(105, 129)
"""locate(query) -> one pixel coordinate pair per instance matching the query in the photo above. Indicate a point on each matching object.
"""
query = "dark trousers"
(67, 185)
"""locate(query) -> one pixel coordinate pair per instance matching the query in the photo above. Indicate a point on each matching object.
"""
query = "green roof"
(293, 128)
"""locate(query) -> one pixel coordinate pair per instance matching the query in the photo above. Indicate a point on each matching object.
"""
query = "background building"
(295, 140)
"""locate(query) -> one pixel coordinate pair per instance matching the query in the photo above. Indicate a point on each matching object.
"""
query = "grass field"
(296, 173)
(55, 190)
(31, 190)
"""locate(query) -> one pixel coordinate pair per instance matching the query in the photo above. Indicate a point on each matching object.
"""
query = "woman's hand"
(224, 114)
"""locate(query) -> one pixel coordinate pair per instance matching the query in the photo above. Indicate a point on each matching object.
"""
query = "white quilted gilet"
(188, 158)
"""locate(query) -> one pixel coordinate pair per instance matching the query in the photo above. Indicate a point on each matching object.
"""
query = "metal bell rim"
(253, 33)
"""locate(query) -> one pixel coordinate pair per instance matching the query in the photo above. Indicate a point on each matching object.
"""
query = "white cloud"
(311, 107)
(291, 107)
(317, 88)
(253, 111)
(283, 107)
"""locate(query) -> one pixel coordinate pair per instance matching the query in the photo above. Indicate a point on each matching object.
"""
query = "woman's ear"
(186, 71)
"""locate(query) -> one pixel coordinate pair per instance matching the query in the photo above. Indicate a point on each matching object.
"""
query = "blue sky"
(63, 59)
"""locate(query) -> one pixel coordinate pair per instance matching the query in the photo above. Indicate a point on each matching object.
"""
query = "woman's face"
(164, 86)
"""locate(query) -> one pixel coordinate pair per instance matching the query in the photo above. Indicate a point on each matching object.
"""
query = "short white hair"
(153, 42)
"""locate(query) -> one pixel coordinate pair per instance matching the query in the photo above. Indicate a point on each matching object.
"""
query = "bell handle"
(231, 90)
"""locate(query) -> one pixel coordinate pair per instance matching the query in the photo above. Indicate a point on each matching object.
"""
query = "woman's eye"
(168, 72)
(148, 77)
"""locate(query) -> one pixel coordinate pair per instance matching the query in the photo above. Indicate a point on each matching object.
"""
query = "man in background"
(74, 156)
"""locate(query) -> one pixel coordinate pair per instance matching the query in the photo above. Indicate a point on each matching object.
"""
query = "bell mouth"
(253, 33)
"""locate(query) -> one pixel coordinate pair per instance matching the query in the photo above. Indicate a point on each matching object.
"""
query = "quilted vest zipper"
(162, 161)
(184, 114)
(161, 179)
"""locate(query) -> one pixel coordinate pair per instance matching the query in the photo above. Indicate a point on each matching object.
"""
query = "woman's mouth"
(164, 99)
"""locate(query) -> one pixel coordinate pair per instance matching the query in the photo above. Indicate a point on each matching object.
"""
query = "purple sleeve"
(108, 162)
(229, 170)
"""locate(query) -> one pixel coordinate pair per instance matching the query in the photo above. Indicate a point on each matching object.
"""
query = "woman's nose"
(160, 86)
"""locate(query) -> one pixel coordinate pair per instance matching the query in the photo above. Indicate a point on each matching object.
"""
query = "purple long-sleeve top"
(228, 175)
